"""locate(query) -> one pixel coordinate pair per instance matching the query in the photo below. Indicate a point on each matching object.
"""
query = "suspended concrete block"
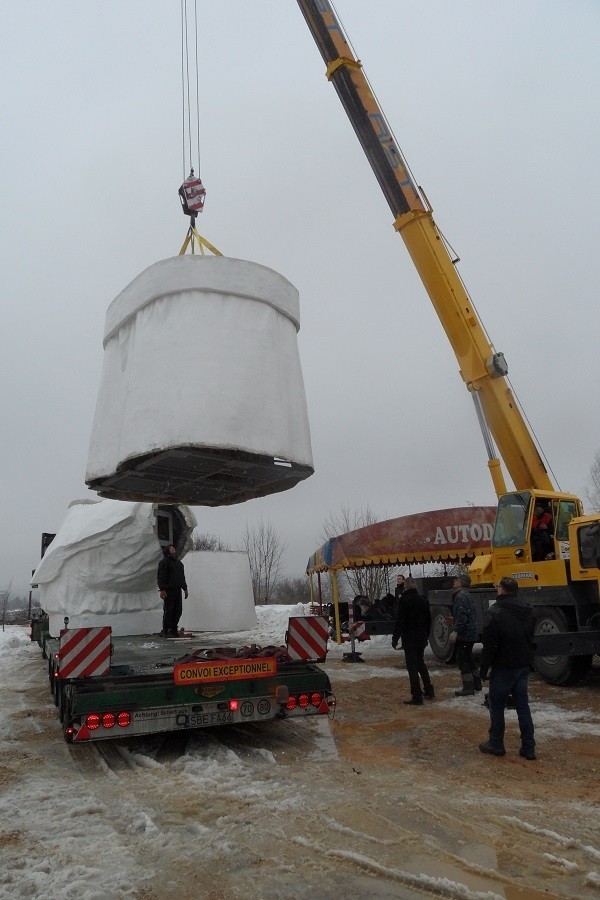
(202, 397)
(101, 567)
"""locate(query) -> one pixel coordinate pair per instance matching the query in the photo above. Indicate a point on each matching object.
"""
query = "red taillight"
(303, 700)
(234, 705)
(292, 703)
(108, 720)
(315, 699)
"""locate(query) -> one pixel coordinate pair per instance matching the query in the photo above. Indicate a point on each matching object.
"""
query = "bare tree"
(208, 542)
(265, 549)
(371, 581)
(4, 598)
(593, 485)
(292, 590)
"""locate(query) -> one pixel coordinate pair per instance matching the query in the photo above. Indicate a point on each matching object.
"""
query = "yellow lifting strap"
(194, 236)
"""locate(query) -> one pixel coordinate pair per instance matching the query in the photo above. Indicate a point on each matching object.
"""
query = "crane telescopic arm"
(482, 369)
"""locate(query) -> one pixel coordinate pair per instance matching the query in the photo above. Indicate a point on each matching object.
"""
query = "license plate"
(203, 720)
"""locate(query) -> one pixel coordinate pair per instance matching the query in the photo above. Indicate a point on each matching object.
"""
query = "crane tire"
(560, 670)
(439, 637)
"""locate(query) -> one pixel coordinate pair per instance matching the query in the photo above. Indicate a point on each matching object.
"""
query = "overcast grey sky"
(497, 109)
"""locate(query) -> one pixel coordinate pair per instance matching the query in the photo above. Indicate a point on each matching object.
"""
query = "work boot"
(527, 754)
(486, 747)
(429, 692)
(414, 701)
(477, 681)
(468, 688)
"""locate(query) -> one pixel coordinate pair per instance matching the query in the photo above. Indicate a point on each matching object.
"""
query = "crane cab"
(530, 541)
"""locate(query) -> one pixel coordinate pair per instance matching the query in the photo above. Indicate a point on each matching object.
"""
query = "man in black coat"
(508, 648)
(171, 581)
(398, 591)
(413, 625)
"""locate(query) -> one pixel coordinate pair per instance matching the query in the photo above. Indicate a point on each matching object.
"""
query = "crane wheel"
(439, 637)
(560, 670)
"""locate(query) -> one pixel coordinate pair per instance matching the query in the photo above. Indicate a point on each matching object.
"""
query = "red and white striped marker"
(84, 652)
(358, 631)
(307, 637)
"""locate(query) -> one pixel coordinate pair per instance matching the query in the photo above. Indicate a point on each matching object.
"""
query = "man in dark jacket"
(171, 581)
(508, 649)
(398, 591)
(465, 626)
(412, 627)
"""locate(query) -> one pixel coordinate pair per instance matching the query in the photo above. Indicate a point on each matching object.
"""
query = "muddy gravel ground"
(385, 800)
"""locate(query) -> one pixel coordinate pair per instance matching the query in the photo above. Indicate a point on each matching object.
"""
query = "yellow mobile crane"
(541, 536)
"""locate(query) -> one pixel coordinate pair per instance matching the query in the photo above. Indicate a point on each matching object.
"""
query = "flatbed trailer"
(150, 688)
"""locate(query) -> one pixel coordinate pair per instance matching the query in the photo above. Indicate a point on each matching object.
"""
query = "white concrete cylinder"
(202, 398)
(220, 592)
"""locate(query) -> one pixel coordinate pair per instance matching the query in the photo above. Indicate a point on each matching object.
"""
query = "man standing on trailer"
(508, 649)
(171, 581)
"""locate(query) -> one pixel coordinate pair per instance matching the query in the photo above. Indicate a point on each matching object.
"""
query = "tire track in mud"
(505, 832)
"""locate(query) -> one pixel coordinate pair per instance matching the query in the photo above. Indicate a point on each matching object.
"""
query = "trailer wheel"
(439, 637)
(53, 680)
(63, 704)
(60, 701)
(556, 669)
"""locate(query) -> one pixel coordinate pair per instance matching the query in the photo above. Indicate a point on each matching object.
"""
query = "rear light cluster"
(304, 701)
(108, 720)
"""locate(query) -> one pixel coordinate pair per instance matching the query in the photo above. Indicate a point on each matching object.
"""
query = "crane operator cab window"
(567, 510)
(510, 529)
(542, 531)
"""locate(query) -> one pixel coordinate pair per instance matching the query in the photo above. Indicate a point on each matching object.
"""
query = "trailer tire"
(560, 670)
(53, 680)
(63, 704)
(439, 637)
(60, 701)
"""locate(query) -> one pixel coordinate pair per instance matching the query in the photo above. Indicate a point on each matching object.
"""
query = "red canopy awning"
(442, 535)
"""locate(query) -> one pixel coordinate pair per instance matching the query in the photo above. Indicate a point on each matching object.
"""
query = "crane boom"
(481, 368)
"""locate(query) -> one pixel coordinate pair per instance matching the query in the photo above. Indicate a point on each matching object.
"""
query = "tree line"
(265, 548)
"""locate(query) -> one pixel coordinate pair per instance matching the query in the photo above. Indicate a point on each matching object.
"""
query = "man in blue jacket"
(465, 626)
(508, 650)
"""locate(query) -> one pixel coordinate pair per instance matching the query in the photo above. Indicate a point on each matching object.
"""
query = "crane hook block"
(192, 193)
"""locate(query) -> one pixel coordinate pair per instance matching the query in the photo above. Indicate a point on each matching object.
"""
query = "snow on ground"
(70, 828)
